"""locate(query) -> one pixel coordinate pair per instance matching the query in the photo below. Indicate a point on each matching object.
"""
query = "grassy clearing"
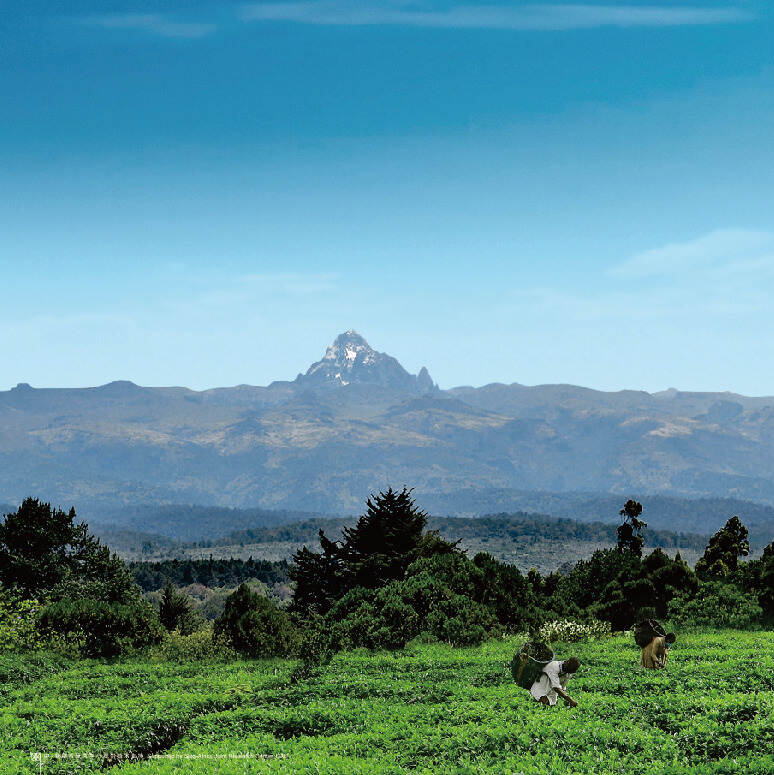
(429, 708)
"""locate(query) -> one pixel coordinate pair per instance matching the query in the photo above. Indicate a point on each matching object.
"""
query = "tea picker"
(650, 636)
(535, 669)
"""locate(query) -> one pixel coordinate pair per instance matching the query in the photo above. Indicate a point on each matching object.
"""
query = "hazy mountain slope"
(662, 512)
(189, 522)
(671, 521)
(357, 422)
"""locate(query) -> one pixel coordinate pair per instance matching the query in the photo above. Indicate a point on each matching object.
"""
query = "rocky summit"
(351, 360)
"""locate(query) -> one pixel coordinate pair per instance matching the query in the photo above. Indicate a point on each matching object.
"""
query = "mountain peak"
(347, 348)
(350, 359)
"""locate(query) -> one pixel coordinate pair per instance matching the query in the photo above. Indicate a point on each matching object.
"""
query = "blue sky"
(206, 195)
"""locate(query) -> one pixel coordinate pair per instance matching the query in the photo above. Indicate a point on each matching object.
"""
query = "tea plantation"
(428, 708)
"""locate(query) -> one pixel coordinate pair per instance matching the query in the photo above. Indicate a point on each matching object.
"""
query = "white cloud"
(560, 16)
(524, 17)
(227, 293)
(154, 24)
(684, 289)
(726, 250)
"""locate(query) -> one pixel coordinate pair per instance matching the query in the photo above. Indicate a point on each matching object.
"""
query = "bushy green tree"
(507, 593)
(385, 540)
(255, 626)
(376, 551)
(99, 628)
(353, 619)
(766, 584)
(320, 578)
(461, 622)
(619, 587)
(715, 604)
(584, 586)
(624, 601)
(439, 596)
(39, 546)
(389, 617)
(45, 554)
(669, 577)
(455, 571)
(757, 578)
(722, 554)
(88, 596)
(630, 531)
(175, 611)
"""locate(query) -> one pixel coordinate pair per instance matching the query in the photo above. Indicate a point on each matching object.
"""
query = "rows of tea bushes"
(427, 708)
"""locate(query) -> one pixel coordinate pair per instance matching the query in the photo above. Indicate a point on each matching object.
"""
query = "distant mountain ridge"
(356, 421)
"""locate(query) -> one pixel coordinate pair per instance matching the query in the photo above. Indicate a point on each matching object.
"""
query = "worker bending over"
(551, 682)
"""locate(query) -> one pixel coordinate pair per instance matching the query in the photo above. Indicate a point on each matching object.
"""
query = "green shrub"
(194, 647)
(395, 623)
(462, 623)
(18, 623)
(255, 626)
(176, 612)
(507, 593)
(451, 616)
(455, 571)
(716, 605)
(422, 603)
(315, 649)
(104, 629)
(45, 554)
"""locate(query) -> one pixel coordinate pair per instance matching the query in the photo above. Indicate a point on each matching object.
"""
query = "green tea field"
(428, 709)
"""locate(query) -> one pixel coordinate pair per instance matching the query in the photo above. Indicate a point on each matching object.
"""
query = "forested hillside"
(524, 540)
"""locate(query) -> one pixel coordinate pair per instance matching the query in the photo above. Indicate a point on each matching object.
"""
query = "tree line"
(211, 573)
(386, 580)
(509, 526)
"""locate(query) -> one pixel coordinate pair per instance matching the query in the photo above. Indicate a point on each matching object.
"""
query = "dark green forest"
(210, 573)
(516, 527)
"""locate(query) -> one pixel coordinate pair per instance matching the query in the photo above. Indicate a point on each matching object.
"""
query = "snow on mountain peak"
(351, 359)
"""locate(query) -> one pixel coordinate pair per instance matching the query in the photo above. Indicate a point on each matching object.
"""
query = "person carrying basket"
(654, 642)
(552, 680)
(535, 669)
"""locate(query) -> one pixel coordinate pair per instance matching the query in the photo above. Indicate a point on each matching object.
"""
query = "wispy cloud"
(725, 250)
(153, 24)
(722, 277)
(524, 17)
(250, 288)
(560, 16)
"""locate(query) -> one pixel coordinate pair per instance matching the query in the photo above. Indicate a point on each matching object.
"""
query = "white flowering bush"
(571, 632)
